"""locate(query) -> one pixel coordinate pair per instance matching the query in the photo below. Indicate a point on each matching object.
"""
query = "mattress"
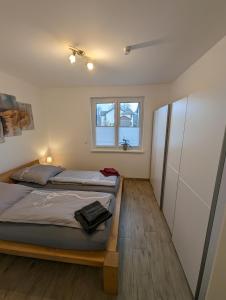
(54, 236)
(75, 186)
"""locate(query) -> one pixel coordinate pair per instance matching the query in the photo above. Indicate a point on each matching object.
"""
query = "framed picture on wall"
(10, 116)
(14, 117)
(7, 102)
(26, 116)
(2, 139)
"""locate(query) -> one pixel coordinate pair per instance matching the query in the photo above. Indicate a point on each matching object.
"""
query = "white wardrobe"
(195, 141)
(159, 136)
(176, 135)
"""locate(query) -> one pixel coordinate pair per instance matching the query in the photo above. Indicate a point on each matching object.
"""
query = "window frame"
(116, 101)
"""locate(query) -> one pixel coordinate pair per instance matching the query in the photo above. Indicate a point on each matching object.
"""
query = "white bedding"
(84, 177)
(54, 208)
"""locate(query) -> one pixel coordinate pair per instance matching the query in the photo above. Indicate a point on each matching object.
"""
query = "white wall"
(69, 123)
(208, 73)
(30, 145)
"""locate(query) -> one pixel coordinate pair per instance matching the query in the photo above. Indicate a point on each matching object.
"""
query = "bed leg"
(110, 273)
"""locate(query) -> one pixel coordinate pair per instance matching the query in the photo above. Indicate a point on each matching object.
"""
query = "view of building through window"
(129, 123)
(117, 121)
(105, 124)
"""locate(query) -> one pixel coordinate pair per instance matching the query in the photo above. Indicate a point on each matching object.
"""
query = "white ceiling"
(35, 36)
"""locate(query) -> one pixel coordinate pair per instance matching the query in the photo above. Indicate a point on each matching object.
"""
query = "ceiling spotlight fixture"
(72, 58)
(127, 50)
(80, 53)
(90, 66)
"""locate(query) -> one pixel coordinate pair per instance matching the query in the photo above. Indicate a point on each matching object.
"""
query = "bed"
(55, 177)
(104, 254)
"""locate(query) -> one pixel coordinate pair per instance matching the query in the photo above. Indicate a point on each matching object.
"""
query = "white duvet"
(53, 208)
(84, 177)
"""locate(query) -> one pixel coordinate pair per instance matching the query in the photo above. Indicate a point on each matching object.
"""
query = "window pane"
(105, 136)
(129, 123)
(129, 114)
(132, 134)
(105, 114)
(105, 122)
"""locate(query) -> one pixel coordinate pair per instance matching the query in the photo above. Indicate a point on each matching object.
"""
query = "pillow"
(11, 193)
(37, 173)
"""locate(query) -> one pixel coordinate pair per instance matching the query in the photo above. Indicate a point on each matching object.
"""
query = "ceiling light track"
(77, 51)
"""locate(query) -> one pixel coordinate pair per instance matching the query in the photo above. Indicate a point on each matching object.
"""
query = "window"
(116, 119)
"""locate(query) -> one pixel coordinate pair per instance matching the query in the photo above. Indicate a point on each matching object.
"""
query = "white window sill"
(104, 150)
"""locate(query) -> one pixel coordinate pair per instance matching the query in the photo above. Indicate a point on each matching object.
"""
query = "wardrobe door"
(203, 138)
(158, 150)
(176, 135)
(153, 151)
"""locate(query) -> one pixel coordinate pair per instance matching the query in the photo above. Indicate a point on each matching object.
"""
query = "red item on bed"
(109, 172)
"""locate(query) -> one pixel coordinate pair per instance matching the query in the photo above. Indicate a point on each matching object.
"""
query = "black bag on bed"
(91, 216)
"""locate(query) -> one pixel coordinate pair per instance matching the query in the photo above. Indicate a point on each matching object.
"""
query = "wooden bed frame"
(108, 259)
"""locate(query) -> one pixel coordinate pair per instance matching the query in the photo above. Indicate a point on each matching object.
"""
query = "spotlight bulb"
(90, 66)
(72, 58)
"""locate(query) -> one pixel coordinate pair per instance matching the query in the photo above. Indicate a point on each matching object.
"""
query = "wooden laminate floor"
(149, 265)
